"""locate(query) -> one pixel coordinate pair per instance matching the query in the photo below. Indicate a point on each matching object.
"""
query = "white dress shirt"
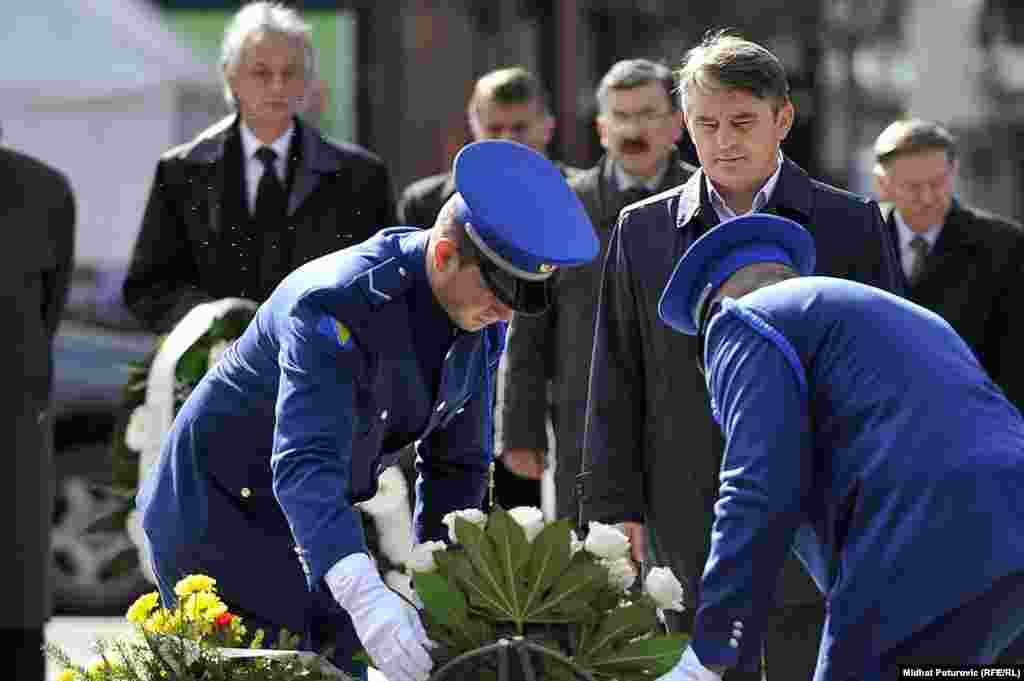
(254, 167)
(905, 234)
(722, 209)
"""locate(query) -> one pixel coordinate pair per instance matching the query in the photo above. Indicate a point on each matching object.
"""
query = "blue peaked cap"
(714, 257)
(520, 210)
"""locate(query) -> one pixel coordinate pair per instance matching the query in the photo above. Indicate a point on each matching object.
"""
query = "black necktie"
(268, 219)
(919, 245)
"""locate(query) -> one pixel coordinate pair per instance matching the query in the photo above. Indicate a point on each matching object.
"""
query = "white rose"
(664, 589)
(138, 435)
(216, 350)
(606, 541)
(421, 559)
(575, 545)
(621, 573)
(530, 518)
(472, 515)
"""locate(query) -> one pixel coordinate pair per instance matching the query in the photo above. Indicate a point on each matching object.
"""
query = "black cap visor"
(525, 297)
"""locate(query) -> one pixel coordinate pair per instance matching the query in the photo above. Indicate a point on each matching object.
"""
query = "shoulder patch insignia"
(335, 330)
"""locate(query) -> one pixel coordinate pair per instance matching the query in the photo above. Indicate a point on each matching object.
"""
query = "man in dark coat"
(509, 104)
(37, 208)
(862, 433)
(971, 269)
(652, 450)
(546, 367)
(218, 223)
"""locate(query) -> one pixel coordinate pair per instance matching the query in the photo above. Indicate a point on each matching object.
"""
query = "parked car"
(93, 572)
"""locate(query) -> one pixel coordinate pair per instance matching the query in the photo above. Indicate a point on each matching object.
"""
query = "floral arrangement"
(199, 639)
(132, 430)
(510, 575)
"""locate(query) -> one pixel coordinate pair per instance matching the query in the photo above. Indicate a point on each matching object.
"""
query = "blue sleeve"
(453, 462)
(313, 438)
(760, 396)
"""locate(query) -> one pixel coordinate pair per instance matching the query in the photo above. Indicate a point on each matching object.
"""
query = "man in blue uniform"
(354, 356)
(861, 430)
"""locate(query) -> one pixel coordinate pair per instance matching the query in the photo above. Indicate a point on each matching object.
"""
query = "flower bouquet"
(199, 639)
(567, 608)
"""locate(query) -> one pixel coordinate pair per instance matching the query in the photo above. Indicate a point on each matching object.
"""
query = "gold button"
(246, 492)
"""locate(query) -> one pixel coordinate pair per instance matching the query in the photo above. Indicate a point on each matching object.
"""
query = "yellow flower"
(204, 603)
(66, 675)
(194, 583)
(141, 608)
(162, 621)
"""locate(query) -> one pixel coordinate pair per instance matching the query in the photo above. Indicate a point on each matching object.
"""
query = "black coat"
(551, 352)
(974, 278)
(37, 211)
(340, 195)
(652, 450)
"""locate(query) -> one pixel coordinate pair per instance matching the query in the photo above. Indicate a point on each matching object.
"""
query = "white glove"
(689, 668)
(388, 628)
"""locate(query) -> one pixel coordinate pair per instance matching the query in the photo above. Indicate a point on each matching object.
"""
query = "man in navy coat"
(862, 431)
(647, 422)
(355, 355)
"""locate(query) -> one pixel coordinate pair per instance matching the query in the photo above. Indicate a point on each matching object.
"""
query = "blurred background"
(100, 88)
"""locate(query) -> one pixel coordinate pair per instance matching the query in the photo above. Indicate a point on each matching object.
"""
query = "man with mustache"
(652, 450)
(545, 369)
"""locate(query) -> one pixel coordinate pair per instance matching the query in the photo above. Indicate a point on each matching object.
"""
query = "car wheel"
(94, 572)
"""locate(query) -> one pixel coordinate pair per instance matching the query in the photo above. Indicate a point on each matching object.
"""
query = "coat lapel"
(208, 155)
(318, 158)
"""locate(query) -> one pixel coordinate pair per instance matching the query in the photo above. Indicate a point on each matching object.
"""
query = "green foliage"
(495, 584)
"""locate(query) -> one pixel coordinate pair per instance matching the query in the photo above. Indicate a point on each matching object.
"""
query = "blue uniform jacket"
(861, 426)
(257, 479)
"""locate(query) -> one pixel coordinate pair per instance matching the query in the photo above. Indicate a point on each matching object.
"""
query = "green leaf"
(549, 558)
(656, 655)
(620, 626)
(487, 580)
(481, 596)
(445, 602)
(510, 549)
(580, 583)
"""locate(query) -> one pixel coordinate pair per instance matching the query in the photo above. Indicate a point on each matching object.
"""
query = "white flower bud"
(575, 545)
(216, 350)
(530, 518)
(139, 435)
(472, 515)
(606, 541)
(421, 559)
(621, 572)
(664, 589)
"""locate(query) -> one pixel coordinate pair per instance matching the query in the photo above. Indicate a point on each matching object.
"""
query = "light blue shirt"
(905, 235)
(722, 209)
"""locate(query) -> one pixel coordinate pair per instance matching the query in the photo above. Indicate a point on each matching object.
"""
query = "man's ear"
(446, 256)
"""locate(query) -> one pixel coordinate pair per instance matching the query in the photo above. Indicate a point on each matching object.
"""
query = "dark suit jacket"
(974, 278)
(652, 450)
(341, 194)
(422, 200)
(553, 349)
(37, 210)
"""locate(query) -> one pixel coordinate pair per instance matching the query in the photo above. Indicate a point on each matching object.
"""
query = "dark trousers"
(978, 632)
(27, 645)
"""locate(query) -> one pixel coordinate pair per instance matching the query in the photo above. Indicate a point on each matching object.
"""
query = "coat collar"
(793, 197)
(956, 231)
(318, 156)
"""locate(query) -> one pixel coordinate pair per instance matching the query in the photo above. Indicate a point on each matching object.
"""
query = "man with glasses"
(354, 356)
(545, 371)
(965, 264)
(652, 452)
